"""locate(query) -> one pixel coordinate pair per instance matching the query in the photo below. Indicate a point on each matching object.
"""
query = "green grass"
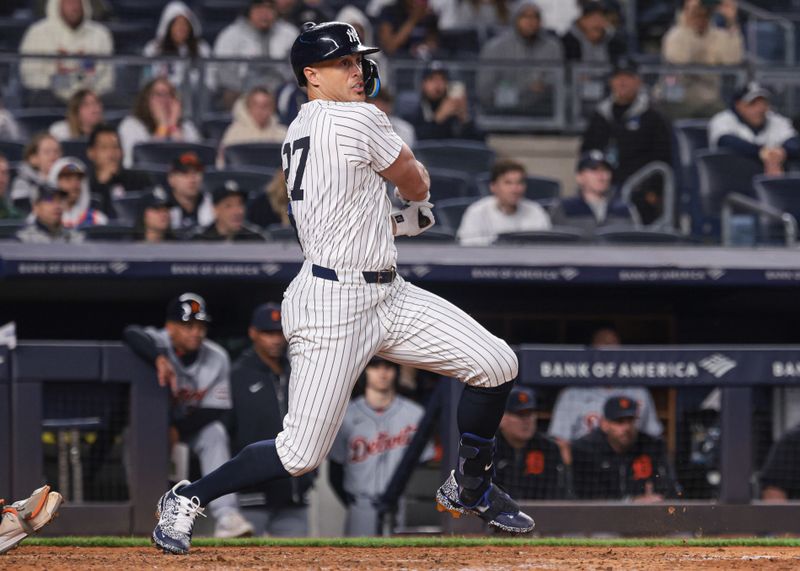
(421, 542)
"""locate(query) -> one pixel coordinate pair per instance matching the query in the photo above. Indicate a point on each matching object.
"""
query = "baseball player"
(27, 516)
(348, 304)
(377, 428)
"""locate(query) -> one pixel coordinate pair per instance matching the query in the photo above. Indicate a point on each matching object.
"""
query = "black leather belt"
(379, 277)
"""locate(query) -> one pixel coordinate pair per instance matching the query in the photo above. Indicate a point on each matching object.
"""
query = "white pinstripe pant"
(334, 329)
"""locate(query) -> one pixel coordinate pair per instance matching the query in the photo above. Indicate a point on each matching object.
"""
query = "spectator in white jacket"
(254, 120)
(157, 116)
(179, 34)
(506, 210)
(67, 30)
(750, 128)
(41, 152)
(258, 34)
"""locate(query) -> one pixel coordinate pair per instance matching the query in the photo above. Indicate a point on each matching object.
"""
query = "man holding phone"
(443, 111)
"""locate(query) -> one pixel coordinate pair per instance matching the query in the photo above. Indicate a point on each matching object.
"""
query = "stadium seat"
(556, 235)
(157, 174)
(129, 36)
(447, 183)
(470, 157)
(217, 14)
(9, 227)
(12, 150)
(281, 233)
(539, 188)
(111, 232)
(643, 236)
(140, 11)
(691, 136)
(214, 126)
(450, 212)
(32, 121)
(253, 155)
(250, 180)
(435, 234)
(11, 32)
(161, 153)
(127, 207)
(780, 193)
(75, 148)
(720, 174)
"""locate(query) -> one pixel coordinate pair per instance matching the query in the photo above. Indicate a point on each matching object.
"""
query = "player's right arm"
(409, 176)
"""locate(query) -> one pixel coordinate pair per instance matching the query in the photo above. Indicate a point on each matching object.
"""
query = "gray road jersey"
(209, 375)
(371, 444)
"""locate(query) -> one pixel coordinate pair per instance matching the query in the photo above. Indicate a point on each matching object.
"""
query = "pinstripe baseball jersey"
(331, 157)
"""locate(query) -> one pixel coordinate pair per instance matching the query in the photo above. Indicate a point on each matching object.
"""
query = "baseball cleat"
(176, 515)
(495, 507)
(28, 516)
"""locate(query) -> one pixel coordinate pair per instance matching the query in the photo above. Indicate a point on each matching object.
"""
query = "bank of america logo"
(717, 364)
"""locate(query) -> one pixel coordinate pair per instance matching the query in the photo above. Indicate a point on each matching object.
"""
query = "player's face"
(340, 79)
(381, 377)
(520, 426)
(621, 433)
(271, 343)
(509, 188)
(187, 337)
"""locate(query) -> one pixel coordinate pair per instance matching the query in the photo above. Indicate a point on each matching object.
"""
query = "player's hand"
(166, 374)
(414, 219)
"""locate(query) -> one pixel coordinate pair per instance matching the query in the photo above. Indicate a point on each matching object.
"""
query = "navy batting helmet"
(331, 40)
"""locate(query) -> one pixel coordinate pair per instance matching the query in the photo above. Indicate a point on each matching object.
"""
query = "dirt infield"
(453, 558)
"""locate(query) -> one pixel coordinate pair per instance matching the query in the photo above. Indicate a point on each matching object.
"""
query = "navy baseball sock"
(479, 414)
(257, 463)
(480, 409)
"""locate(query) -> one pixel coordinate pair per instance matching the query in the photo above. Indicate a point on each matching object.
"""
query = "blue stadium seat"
(161, 153)
(32, 121)
(112, 232)
(448, 183)
(556, 235)
(781, 193)
(127, 207)
(720, 174)
(11, 32)
(613, 235)
(157, 174)
(213, 127)
(471, 157)
(75, 148)
(435, 234)
(12, 150)
(450, 212)
(254, 155)
(130, 36)
(10, 227)
(249, 179)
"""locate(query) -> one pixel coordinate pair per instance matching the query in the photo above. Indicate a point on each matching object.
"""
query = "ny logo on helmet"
(352, 36)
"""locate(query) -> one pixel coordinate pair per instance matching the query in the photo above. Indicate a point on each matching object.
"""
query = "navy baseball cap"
(593, 159)
(228, 188)
(188, 307)
(46, 192)
(624, 65)
(266, 317)
(156, 199)
(435, 67)
(750, 92)
(619, 407)
(521, 399)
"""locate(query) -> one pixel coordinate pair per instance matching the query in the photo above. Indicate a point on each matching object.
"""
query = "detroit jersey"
(331, 158)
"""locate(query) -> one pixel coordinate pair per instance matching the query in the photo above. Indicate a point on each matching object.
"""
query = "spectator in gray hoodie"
(591, 38)
(516, 88)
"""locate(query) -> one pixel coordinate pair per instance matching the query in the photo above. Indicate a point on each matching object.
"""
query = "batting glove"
(414, 219)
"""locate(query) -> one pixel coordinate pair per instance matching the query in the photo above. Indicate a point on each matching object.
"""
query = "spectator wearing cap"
(67, 29)
(595, 204)
(616, 461)
(191, 208)
(752, 129)
(69, 174)
(257, 34)
(229, 217)
(108, 179)
(41, 152)
(260, 387)
(592, 38)
(157, 116)
(696, 39)
(45, 226)
(254, 120)
(443, 111)
(517, 87)
(377, 428)
(152, 219)
(632, 133)
(196, 372)
(528, 464)
(506, 210)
